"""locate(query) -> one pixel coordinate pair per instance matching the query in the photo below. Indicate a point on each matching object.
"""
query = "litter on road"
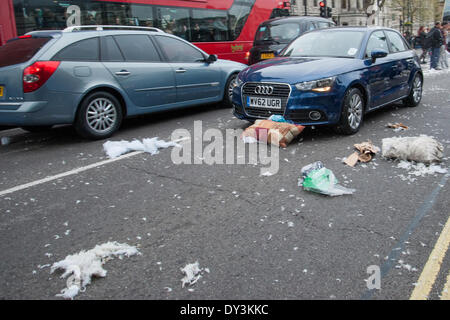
(115, 149)
(366, 152)
(397, 126)
(317, 178)
(268, 131)
(423, 149)
(82, 266)
(193, 273)
(420, 169)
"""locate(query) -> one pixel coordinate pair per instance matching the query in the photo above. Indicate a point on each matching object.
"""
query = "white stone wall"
(352, 15)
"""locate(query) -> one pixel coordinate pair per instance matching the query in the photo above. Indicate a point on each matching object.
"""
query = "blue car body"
(381, 82)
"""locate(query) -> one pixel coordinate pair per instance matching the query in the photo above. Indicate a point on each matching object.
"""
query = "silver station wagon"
(94, 76)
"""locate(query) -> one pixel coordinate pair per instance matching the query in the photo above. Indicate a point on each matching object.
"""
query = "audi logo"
(264, 90)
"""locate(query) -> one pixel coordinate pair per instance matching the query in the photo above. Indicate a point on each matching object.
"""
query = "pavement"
(261, 237)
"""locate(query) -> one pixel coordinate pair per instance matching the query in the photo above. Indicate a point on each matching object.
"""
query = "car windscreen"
(21, 50)
(280, 33)
(342, 44)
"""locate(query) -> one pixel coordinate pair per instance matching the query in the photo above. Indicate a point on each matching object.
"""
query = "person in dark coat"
(436, 43)
(421, 41)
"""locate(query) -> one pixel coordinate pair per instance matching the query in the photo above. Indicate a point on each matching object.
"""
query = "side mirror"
(378, 53)
(211, 58)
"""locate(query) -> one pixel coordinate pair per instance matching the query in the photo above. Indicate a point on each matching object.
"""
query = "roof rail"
(109, 27)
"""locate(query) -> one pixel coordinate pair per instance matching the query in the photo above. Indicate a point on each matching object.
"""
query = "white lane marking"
(67, 173)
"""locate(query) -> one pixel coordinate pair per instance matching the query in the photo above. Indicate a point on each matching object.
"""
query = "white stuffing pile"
(151, 145)
(193, 273)
(423, 149)
(80, 267)
(420, 169)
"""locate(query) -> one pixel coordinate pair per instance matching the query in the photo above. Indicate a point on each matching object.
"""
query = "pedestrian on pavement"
(421, 41)
(435, 36)
(443, 63)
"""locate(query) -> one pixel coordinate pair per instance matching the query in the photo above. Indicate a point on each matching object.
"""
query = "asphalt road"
(261, 237)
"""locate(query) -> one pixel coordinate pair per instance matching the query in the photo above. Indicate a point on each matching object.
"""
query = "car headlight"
(321, 85)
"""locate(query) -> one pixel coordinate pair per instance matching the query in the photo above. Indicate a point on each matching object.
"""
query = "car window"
(178, 51)
(137, 48)
(21, 50)
(283, 33)
(322, 25)
(310, 26)
(84, 50)
(109, 50)
(326, 43)
(396, 42)
(377, 40)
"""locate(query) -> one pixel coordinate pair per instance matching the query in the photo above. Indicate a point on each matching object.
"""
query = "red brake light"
(37, 74)
(25, 36)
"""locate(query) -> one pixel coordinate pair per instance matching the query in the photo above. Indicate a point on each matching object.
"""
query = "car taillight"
(37, 74)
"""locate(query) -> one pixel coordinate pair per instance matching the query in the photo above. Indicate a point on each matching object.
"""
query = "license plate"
(1, 91)
(267, 55)
(262, 102)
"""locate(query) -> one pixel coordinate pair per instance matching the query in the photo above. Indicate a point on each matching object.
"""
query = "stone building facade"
(366, 12)
(351, 12)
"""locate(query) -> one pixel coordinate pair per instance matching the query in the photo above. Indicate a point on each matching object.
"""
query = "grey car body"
(136, 69)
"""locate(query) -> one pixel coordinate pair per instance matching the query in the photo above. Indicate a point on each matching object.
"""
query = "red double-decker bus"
(222, 27)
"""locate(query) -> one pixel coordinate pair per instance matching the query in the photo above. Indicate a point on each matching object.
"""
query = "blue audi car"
(331, 77)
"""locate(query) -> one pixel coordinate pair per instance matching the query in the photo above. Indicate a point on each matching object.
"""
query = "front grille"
(262, 113)
(280, 90)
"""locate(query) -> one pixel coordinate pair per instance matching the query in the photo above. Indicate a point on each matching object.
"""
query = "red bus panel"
(222, 27)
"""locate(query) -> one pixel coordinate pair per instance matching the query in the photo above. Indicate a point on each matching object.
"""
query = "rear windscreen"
(281, 33)
(19, 51)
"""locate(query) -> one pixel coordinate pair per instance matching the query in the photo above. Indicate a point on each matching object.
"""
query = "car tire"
(36, 129)
(415, 95)
(352, 112)
(99, 116)
(228, 94)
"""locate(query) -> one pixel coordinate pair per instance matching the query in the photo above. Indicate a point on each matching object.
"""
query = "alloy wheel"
(101, 115)
(355, 110)
(417, 89)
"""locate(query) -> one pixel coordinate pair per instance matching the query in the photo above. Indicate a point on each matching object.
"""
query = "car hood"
(294, 70)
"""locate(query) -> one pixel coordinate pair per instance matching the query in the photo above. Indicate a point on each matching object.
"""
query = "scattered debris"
(397, 126)
(150, 145)
(317, 178)
(420, 149)
(420, 169)
(279, 118)
(366, 151)
(193, 273)
(82, 266)
(276, 133)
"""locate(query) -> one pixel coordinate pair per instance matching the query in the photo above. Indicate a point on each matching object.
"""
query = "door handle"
(123, 73)
(181, 70)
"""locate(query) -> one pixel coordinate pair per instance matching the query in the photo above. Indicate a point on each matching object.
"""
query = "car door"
(196, 80)
(379, 73)
(403, 63)
(137, 66)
